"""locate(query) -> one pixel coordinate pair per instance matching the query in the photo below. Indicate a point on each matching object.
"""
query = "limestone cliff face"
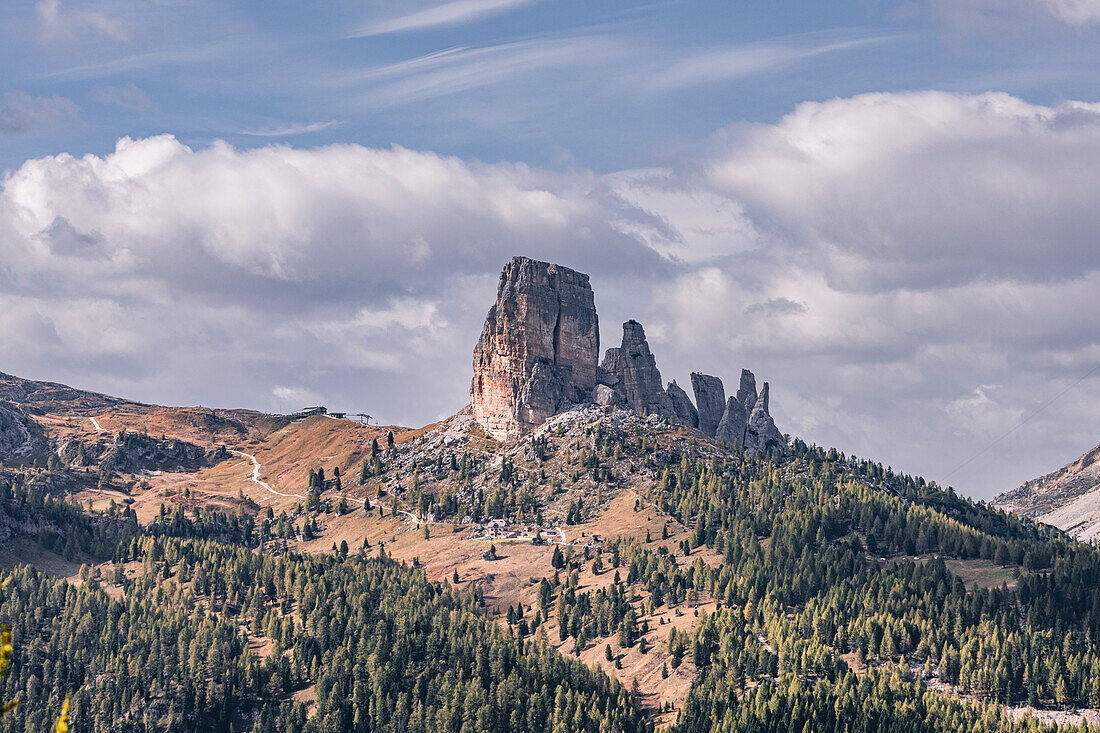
(538, 349)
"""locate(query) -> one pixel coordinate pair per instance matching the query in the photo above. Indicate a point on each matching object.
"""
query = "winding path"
(256, 475)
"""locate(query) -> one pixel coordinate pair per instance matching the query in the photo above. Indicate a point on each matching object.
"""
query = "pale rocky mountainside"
(1068, 498)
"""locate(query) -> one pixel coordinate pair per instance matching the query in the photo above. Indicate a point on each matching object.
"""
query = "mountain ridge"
(1068, 497)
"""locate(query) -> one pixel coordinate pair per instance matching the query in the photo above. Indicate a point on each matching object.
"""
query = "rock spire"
(634, 364)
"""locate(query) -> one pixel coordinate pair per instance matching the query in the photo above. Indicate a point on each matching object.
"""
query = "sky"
(887, 210)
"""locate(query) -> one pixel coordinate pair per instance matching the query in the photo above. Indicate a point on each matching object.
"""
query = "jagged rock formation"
(682, 408)
(59, 397)
(538, 349)
(133, 452)
(746, 420)
(635, 365)
(537, 355)
(710, 398)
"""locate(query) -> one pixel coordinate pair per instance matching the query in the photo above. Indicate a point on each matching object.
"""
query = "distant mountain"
(1068, 498)
(81, 428)
(55, 397)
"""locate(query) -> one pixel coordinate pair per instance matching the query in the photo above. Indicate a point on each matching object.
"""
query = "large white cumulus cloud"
(180, 273)
(910, 271)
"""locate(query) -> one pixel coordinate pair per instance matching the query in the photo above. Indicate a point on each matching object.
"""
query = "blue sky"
(606, 86)
(885, 209)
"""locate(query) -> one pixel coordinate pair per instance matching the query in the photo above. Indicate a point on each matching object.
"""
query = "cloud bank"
(910, 271)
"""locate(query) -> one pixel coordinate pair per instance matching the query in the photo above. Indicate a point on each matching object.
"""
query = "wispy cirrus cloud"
(1074, 12)
(166, 57)
(295, 128)
(462, 69)
(604, 62)
(1014, 15)
(452, 13)
(125, 96)
(723, 64)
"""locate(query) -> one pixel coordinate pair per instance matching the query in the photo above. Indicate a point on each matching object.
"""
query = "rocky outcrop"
(21, 438)
(537, 356)
(1068, 498)
(682, 409)
(635, 365)
(538, 349)
(133, 452)
(710, 399)
(746, 421)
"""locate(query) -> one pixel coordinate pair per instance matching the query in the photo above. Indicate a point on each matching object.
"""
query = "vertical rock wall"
(710, 399)
(538, 349)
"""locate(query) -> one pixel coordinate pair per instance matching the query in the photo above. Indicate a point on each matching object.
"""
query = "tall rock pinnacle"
(710, 398)
(538, 349)
(634, 363)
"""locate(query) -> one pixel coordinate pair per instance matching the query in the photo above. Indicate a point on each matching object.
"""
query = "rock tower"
(538, 349)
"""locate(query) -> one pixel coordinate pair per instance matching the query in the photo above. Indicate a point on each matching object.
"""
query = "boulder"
(605, 396)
